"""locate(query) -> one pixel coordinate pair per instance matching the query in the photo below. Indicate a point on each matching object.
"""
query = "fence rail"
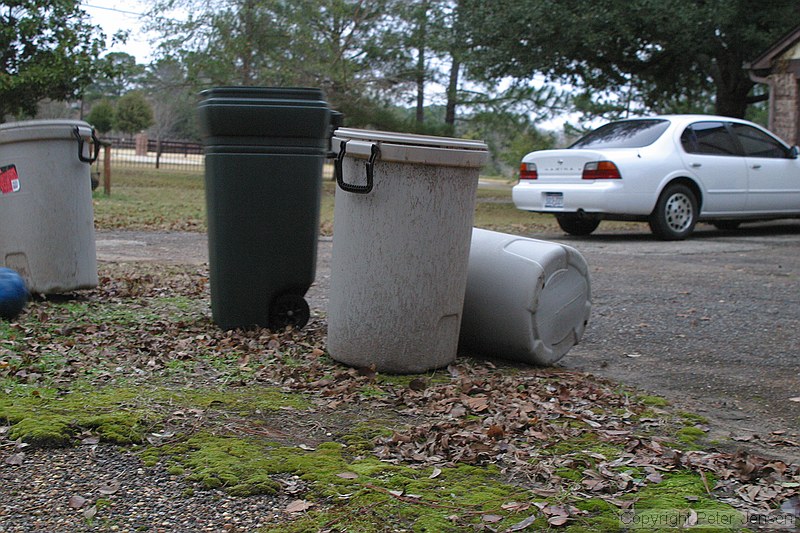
(168, 154)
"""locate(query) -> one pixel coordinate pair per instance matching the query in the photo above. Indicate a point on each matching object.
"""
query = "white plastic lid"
(36, 130)
(410, 148)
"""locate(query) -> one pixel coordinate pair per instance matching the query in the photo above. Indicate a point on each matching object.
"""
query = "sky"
(115, 15)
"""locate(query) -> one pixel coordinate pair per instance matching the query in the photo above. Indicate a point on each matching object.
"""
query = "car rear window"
(624, 134)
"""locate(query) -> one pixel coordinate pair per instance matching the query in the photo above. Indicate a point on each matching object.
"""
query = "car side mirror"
(795, 152)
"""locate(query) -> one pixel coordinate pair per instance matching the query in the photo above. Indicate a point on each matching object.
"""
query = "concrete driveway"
(711, 323)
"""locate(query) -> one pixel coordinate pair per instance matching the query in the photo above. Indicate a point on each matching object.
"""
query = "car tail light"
(527, 171)
(601, 170)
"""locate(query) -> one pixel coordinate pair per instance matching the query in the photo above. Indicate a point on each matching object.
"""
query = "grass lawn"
(164, 200)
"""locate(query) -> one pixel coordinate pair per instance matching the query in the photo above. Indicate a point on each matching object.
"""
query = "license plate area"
(554, 199)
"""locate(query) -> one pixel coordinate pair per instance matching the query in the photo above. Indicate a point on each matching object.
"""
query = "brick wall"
(786, 110)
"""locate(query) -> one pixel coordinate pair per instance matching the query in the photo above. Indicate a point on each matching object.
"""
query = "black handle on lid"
(337, 170)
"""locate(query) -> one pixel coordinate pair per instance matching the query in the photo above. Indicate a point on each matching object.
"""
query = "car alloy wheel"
(679, 212)
(675, 214)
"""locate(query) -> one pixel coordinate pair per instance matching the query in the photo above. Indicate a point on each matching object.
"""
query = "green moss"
(249, 400)
(600, 516)
(363, 436)
(692, 418)
(420, 501)
(570, 474)
(666, 506)
(237, 465)
(44, 421)
(176, 470)
(690, 435)
(45, 431)
(122, 415)
(582, 447)
(655, 401)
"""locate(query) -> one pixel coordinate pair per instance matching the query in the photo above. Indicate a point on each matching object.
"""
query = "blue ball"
(13, 294)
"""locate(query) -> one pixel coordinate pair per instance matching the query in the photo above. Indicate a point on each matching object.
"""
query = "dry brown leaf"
(495, 432)
(109, 488)
(476, 403)
(76, 501)
(520, 526)
(298, 506)
(15, 459)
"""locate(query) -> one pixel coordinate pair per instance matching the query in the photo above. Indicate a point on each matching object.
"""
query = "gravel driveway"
(711, 323)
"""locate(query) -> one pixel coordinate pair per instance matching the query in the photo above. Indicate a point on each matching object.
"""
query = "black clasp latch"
(95, 142)
(337, 170)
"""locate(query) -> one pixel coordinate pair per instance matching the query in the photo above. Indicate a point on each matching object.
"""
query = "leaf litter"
(523, 420)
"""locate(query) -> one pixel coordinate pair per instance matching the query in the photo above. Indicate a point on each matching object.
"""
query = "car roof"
(687, 118)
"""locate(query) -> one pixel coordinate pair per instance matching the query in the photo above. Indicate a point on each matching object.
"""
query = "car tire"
(727, 225)
(575, 224)
(675, 214)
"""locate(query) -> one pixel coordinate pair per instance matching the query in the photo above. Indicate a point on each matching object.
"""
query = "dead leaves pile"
(518, 420)
(526, 421)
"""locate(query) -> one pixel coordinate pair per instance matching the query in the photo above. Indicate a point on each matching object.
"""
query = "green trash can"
(264, 151)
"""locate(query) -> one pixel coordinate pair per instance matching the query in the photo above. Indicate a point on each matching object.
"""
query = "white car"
(671, 171)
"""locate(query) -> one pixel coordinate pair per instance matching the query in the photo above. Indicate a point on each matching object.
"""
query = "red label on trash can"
(9, 180)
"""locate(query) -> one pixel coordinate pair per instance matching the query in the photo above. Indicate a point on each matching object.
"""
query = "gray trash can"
(46, 213)
(265, 147)
(402, 221)
(526, 300)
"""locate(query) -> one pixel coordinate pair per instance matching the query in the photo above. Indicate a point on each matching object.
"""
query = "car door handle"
(756, 167)
(697, 165)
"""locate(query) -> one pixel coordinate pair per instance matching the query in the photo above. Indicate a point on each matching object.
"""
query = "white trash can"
(46, 214)
(526, 300)
(402, 222)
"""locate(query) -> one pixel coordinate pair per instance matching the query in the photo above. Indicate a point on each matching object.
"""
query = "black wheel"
(727, 224)
(675, 214)
(288, 310)
(576, 224)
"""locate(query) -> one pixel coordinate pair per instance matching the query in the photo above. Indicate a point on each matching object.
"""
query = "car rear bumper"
(601, 196)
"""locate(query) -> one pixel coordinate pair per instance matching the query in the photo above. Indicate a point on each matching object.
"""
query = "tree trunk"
(732, 88)
(452, 95)
(420, 74)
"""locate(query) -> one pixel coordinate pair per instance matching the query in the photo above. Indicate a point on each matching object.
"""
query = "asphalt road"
(711, 323)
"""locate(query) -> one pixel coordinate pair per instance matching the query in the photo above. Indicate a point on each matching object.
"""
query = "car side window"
(756, 143)
(711, 138)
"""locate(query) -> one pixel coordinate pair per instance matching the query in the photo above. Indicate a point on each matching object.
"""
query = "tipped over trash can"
(526, 300)
(265, 147)
(403, 216)
(46, 212)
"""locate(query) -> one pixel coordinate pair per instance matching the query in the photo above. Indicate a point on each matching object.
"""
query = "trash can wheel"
(288, 310)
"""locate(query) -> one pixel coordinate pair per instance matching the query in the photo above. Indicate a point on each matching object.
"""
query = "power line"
(115, 10)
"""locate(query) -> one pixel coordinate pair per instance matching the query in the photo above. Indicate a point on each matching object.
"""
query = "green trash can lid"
(264, 93)
(264, 112)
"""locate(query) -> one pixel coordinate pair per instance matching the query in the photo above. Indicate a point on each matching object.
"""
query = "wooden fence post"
(107, 168)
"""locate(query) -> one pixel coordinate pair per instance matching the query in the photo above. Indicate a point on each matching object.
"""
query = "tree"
(660, 53)
(133, 113)
(102, 116)
(173, 100)
(118, 73)
(349, 48)
(47, 50)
